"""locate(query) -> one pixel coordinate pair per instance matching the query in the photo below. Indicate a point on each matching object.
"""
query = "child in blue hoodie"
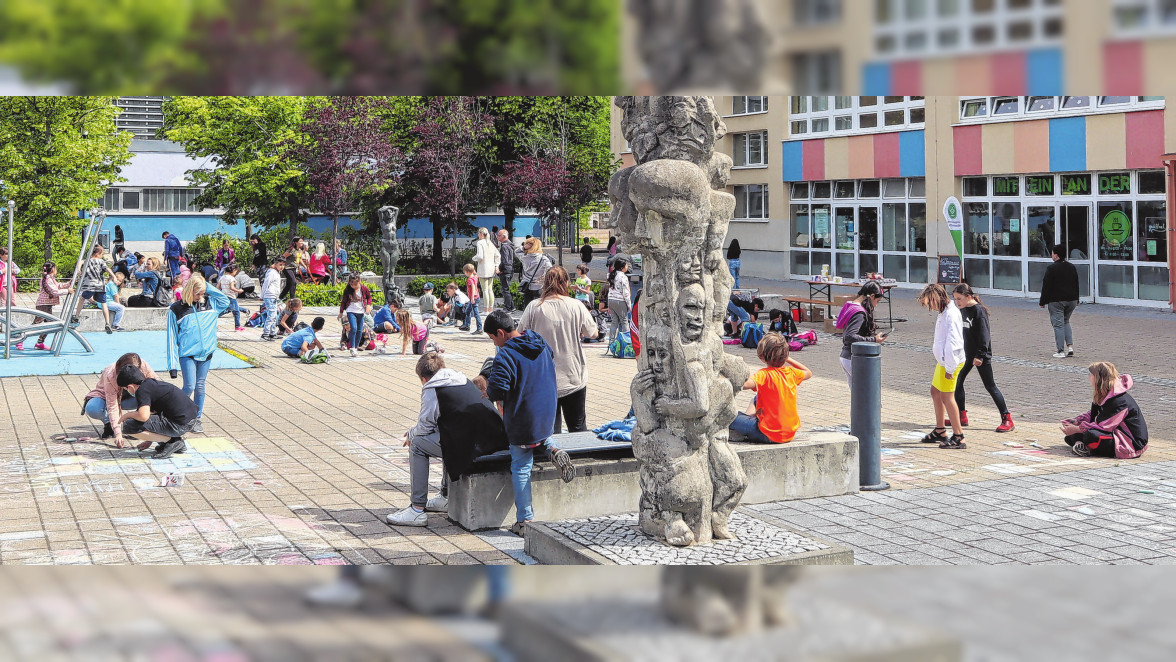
(523, 382)
(191, 337)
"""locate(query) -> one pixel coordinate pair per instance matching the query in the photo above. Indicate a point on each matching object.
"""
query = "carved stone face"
(657, 352)
(692, 312)
(690, 269)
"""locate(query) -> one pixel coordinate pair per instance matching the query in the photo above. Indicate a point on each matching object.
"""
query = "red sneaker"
(1006, 423)
(963, 420)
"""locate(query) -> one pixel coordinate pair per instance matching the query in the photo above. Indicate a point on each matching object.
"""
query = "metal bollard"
(865, 413)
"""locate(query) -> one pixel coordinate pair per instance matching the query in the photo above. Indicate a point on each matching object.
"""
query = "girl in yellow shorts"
(949, 354)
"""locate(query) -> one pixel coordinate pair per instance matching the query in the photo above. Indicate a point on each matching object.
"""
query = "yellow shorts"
(941, 383)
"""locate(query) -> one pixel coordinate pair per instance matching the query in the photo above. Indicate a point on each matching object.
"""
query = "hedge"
(330, 295)
(416, 286)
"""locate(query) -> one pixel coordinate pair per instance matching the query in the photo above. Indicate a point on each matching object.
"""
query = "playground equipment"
(61, 326)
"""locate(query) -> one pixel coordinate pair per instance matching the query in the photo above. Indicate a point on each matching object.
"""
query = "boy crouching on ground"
(304, 344)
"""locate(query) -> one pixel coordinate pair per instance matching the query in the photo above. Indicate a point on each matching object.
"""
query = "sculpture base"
(617, 540)
(632, 627)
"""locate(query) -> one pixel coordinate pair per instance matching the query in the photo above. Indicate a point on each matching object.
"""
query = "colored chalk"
(1146, 492)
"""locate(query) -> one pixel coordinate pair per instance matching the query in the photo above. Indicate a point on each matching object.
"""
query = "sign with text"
(1039, 185)
(1114, 183)
(950, 269)
(1075, 184)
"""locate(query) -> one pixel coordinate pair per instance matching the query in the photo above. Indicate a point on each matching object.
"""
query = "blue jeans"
(356, 335)
(173, 266)
(236, 310)
(116, 312)
(497, 583)
(271, 316)
(748, 426)
(734, 265)
(738, 312)
(521, 461)
(195, 372)
(96, 408)
(473, 314)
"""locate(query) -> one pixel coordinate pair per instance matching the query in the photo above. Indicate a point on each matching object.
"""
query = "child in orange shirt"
(772, 416)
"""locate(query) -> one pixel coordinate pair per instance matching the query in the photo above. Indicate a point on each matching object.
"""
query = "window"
(748, 105)
(870, 188)
(750, 149)
(130, 199)
(1113, 101)
(893, 188)
(1151, 181)
(979, 109)
(843, 190)
(109, 202)
(169, 199)
(975, 187)
(1040, 104)
(821, 190)
(1040, 185)
(817, 73)
(922, 28)
(1114, 183)
(751, 201)
(816, 12)
(918, 187)
(974, 108)
(843, 115)
(1133, 17)
(1006, 106)
(1113, 228)
(1075, 102)
(1005, 186)
(800, 191)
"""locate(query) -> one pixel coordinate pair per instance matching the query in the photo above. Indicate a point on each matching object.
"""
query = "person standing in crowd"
(612, 247)
(523, 381)
(733, 263)
(948, 347)
(290, 258)
(586, 252)
(620, 298)
(353, 305)
(92, 286)
(172, 250)
(535, 266)
(340, 266)
(107, 402)
(581, 288)
(563, 323)
(475, 296)
(191, 337)
(1114, 426)
(977, 354)
(506, 253)
(487, 260)
(224, 257)
(856, 320)
(260, 261)
(228, 285)
(49, 296)
(1059, 293)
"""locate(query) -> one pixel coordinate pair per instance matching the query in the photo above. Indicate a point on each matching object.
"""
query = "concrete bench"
(148, 319)
(815, 464)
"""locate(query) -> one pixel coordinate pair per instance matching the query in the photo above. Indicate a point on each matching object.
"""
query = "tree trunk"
(438, 240)
(248, 230)
(453, 250)
(334, 238)
(48, 242)
(293, 228)
(559, 236)
(508, 220)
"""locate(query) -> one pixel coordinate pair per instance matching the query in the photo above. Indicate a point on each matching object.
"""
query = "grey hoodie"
(430, 411)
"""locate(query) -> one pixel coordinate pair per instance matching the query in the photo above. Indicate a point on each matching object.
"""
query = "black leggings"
(1098, 443)
(572, 406)
(290, 286)
(985, 371)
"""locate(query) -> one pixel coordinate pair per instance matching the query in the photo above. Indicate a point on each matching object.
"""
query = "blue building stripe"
(912, 154)
(876, 79)
(1044, 73)
(792, 161)
(1067, 144)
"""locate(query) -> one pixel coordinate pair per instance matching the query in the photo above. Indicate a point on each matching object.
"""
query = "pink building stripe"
(887, 159)
(1123, 68)
(969, 157)
(906, 78)
(1008, 74)
(813, 160)
(1145, 139)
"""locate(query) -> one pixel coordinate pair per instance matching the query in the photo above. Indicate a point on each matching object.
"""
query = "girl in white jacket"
(949, 355)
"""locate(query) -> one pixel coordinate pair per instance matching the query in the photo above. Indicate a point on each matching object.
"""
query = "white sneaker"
(438, 504)
(1060, 355)
(353, 352)
(341, 593)
(1070, 351)
(382, 350)
(408, 517)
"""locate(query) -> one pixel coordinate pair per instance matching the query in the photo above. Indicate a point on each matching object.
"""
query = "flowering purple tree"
(346, 155)
(449, 167)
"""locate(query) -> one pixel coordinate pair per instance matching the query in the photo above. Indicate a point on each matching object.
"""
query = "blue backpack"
(622, 347)
(752, 335)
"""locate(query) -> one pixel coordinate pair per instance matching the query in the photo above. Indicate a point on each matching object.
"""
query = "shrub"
(203, 248)
(416, 286)
(329, 295)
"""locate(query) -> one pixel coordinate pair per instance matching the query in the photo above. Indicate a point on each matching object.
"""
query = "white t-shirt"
(226, 286)
(460, 298)
(356, 307)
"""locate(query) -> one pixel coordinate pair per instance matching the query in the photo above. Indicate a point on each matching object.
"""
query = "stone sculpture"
(672, 210)
(389, 251)
(728, 600)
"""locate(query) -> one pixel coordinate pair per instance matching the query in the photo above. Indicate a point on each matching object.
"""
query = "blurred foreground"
(236, 614)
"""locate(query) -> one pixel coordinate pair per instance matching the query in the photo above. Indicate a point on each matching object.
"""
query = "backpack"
(254, 320)
(622, 347)
(163, 293)
(603, 323)
(752, 335)
(316, 356)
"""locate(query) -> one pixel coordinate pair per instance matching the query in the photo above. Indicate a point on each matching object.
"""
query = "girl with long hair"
(353, 305)
(977, 354)
(411, 332)
(1114, 426)
(318, 263)
(620, 298)
(49, 296)
(948, 348)
(191, 337)
(260, 260)
(856, 320)
(733, 263)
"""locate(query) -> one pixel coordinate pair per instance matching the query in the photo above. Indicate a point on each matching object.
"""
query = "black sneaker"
(563, 462)
(109, 330)
(107, 431)
(169, 448)
(198, 427)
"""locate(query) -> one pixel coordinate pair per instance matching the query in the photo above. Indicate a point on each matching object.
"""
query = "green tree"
(244, 142)
(57, 156)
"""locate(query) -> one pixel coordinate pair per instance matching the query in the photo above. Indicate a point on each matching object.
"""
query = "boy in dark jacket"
(1059, 293)
(523, 382)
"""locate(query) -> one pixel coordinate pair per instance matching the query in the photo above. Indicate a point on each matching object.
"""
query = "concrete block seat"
(150, 319)
(815, 464)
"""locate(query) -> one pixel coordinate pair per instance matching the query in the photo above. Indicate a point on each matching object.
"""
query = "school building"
(859, 183)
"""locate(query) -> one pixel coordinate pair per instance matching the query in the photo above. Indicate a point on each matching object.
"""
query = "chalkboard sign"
(950, 269)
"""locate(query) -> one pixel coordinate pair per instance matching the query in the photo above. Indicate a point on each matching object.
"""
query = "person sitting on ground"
(456, 425)
(49, 296)
(384, 323)
(740, 311)
(411, 332)
(246, 285)
(228, 285)
(523, 381)
(288, 316)
(428, 305)
(209, 272)
(165, 413)
(107, 402)
(1114, 426)
(114, 301)
(300, 343)
(185, 272)
(773, 416)
(93, 289)
(444, 308)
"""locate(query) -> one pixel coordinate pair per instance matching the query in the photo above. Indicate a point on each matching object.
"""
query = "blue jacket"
(523, 379)
(150, 281)
(191, 330)
(172, 246)
(384, 314)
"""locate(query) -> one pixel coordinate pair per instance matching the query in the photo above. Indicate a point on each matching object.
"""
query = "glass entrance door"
(1073, 238)
(867, 227)
(845, 247)
(1040, 236)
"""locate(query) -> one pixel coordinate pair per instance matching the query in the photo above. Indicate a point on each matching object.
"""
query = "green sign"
(1114, 183)
(1075, 184)
(1116, 228)
(1039, 185)
(1004, 186)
